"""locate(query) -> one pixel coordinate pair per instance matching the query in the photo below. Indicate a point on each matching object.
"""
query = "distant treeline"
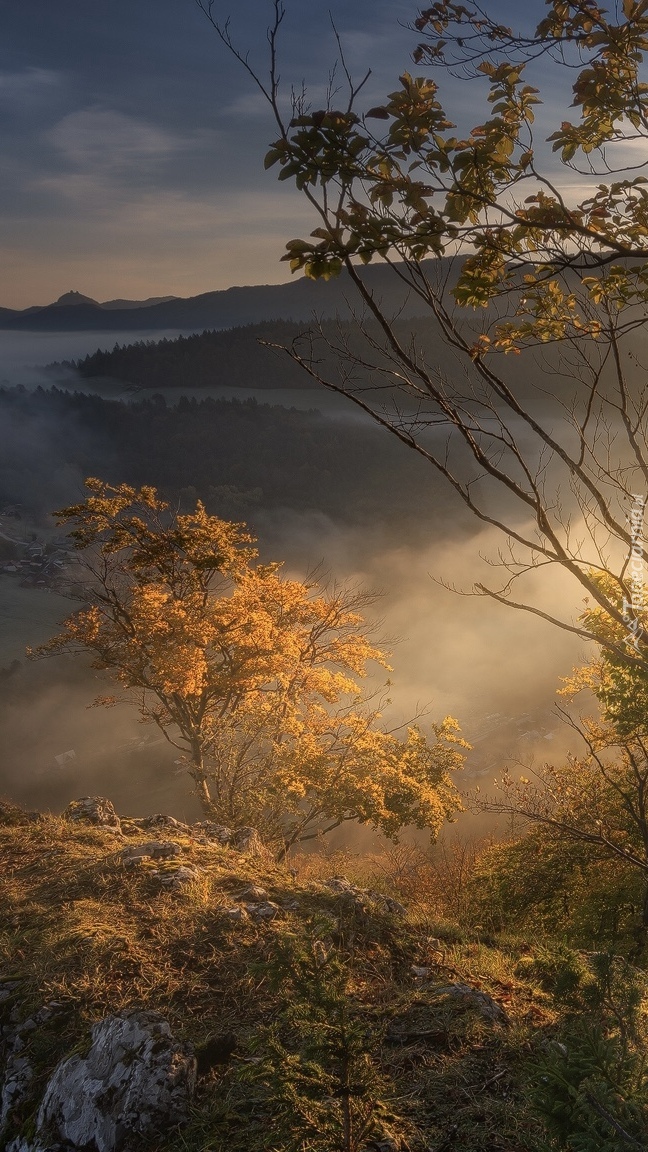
(241, 357)
(238, 357)
(238, 456)
(205, 360)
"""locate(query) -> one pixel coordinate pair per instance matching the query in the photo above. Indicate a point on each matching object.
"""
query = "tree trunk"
(199, 777)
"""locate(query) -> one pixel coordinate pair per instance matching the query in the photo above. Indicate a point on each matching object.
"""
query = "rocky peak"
(72, 298)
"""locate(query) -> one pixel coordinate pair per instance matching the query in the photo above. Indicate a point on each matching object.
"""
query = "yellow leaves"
(136, 528)
(385, 781)
(255, 677)
(588, 676)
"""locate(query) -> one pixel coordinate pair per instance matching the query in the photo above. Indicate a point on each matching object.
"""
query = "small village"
(35, 558)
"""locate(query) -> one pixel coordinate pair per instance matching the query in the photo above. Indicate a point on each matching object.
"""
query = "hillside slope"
(323, 1016)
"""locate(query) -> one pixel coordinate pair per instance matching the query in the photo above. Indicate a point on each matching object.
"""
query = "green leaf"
(272, 157)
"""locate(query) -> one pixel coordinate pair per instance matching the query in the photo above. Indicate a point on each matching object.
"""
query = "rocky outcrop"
(253, 894)
(242, 839)
(12, 814)
(99, 812)
(18, 1068)
(248, 840)
(162, 822)
(17, 1080)
(95, 810)
(173, 871)
(136, 1081)
(176, 877)
(360, 899)
(153, 850)
(206, 831)
(465, 997)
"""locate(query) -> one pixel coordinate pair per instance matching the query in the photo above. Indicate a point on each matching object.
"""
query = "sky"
(131, 158)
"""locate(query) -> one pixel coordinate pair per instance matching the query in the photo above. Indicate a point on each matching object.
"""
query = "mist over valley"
(319, 484)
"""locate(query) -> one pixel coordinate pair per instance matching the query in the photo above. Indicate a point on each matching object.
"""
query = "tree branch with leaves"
(538, 422)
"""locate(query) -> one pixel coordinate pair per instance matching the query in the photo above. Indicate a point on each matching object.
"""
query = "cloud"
(101, 140)
(31, 84)
(123, 124)
(246, 105)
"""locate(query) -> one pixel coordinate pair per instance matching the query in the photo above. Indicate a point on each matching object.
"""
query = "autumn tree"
(254, 677)
(531, 398)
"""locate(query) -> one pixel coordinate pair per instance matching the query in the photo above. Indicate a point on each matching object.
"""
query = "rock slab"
(96, 810)
(137, 1080)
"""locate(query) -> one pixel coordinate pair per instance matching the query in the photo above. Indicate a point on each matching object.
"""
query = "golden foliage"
(253, 676)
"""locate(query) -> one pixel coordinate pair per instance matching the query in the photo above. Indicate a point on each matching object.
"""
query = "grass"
(322, 978)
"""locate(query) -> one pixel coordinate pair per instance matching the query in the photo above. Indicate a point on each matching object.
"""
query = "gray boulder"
(18, 1071)
(468, 998)
(175, 878)
(358, 899)
(18, 1075)
(159, 820)
(96, 810)
(248, 840)
(136, 1081)
(266, 910)
(207, 830)
(254, 894)
(236, 914)
(153, 850)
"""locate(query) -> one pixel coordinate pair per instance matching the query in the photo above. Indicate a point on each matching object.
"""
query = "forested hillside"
(238, 456)
(203, 360)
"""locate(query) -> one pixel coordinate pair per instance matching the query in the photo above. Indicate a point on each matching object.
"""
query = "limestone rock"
(358, 899)
(159, 820)
(8, 989)
(266, 910)
(18, 1071)
(12, 814)
(207, 830)
(248, 840)
(95, 810)
(243, 839)
(394, 907)
(253, 894)
(420, 973)
(464, 996)
(17, 1077)
(153, 850)
(235, 914)
(339, 884)
(137, 1080)
(175, 878)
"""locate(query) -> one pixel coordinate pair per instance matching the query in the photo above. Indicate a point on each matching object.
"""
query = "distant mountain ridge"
(75, 300)
(297, 300)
